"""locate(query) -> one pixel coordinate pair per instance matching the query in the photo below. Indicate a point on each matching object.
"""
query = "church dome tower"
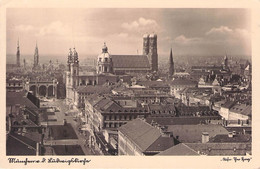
(104, 61)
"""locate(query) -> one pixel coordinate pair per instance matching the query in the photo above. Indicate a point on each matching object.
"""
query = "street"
(65, 113)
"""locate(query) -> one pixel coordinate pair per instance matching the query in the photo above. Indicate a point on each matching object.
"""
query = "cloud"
(55, 28)
(24, 28)
(184, 40)
(141, 25)
(226, 33)
(220, 30)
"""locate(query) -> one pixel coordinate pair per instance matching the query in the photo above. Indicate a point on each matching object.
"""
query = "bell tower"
(153, 56)
(145, 44)
(74, 69)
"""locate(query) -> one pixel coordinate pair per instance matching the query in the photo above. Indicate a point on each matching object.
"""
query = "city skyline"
(187, 31)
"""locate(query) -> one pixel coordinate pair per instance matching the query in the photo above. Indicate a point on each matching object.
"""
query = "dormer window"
(105, 59)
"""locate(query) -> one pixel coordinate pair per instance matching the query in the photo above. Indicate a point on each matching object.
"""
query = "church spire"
(18, 54)
(171, 65)
(36, 56)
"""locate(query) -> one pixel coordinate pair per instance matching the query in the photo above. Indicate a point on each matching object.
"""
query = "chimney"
(230, 134)
(205, 137)
(38, 149)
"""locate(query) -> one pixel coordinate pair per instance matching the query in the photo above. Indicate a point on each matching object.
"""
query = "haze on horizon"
(187, 31)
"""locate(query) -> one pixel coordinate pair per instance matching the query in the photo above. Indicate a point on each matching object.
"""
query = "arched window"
(105, 59)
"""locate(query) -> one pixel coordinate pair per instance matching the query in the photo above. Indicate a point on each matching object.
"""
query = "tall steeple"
(171, 65)
(225, 63)
(18, 54)
(36, 56)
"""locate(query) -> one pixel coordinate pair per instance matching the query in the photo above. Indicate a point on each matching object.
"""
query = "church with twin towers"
(109, 68)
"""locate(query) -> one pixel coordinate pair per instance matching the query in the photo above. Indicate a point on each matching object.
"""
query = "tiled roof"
(130, 61)
(193, 133)
(180, 150)
(142, 134)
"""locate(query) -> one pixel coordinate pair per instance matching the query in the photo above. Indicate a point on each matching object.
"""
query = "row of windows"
(120, 117)
(14, 84)
(106, 59)
(113, 125)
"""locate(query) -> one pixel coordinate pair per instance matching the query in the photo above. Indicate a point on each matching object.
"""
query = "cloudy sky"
(187, 31)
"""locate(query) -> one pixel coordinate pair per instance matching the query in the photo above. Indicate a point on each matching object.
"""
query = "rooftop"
(19, 98)
(221, 149)
(224, 138)
(183, 81)
(193, 133)
(179, 150)
(130, 61)
(99, 89)
(142, 134)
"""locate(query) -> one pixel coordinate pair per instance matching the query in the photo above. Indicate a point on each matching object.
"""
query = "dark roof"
(180, 150)
(177, 120)
(183, 81)
(229, 104)
(142, 134)
(193, 133)
(20, 145)
(99, 89)
(224, 138)
(221, 148)
(242, 109)
(14, 98)
(161, 144)
(130, 61)
(210, 67)
(191, 110)
(153, 83)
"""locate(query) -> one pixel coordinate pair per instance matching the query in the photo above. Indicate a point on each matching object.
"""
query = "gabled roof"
(130, 61)
(161, 144)
(142, 134)
(180, 150)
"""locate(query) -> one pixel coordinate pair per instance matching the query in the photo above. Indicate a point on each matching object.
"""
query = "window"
(105, 59)
(100, 59)
(105, 69)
